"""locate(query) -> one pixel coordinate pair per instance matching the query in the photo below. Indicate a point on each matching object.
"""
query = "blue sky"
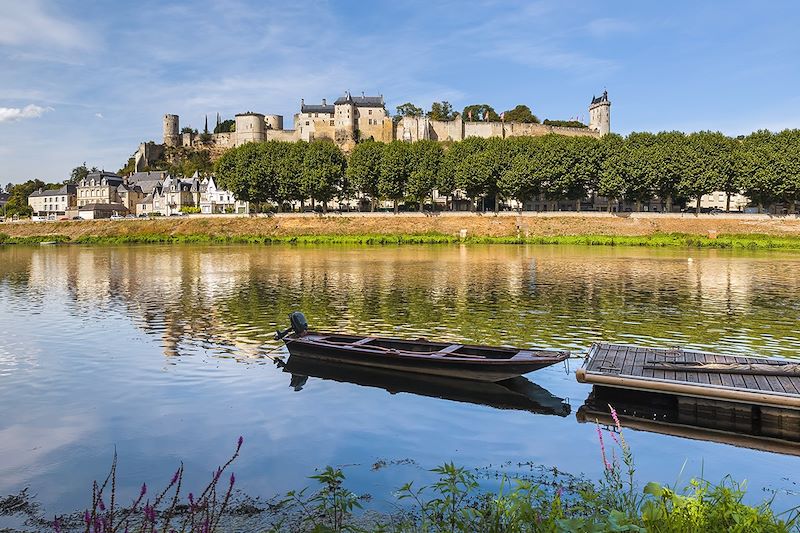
(87, 81)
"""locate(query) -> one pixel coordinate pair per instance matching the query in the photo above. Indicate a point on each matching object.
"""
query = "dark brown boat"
(480, 363)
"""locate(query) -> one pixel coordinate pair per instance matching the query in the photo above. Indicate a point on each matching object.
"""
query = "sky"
(88, 81)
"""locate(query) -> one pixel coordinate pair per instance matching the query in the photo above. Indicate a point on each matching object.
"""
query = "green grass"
(659, 240)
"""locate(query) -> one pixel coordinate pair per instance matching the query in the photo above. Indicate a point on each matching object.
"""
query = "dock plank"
(629, 362)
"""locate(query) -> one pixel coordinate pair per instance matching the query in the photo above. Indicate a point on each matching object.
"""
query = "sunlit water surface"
(164, 354)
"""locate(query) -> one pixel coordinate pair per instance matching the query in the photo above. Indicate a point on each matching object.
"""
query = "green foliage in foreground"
(658, 240)
(456, 503)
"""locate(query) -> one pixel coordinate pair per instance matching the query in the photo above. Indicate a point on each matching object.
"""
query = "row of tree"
(670, 166)
(471, 113)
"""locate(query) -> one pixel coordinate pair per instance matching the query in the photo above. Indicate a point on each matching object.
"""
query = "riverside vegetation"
(455, 502)
(671, 166)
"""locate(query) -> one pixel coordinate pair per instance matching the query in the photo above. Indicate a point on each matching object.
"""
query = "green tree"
(225, 126)
(395, 170)
(425, 160)
(409, 110)
(18, 197)
(521, 113)
(79, 172)
(454, 154)
(323, 172)
(442, 111)
(710, 163)
(479, 112)
(289, 173)
(364, 169)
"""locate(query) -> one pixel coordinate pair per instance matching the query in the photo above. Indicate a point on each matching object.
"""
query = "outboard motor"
(299, 325)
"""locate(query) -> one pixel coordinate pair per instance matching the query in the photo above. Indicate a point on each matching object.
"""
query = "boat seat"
(365, 340)
(448, 350)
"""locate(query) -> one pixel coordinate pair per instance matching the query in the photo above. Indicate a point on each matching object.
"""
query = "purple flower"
(144, 489)
(175, 477)
(56, 525)
(233, 479)
(191, 498)
(559, 491)
(602, 447)
(87, 518)
(615, 417)
(101, 505)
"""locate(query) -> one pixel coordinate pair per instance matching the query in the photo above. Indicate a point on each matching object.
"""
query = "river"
(165, 354)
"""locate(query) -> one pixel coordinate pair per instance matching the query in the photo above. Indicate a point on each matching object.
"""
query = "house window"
(370, 111)
(307, 123)
(331, 123)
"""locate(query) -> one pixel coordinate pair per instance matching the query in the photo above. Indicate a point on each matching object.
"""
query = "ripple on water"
(166, 351)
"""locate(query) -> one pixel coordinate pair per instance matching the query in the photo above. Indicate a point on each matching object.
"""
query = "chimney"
(362, 94)
(324, 102)
(302, 102)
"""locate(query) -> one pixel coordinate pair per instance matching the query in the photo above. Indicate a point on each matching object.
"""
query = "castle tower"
(345, 119)
(172, 130)
(249, 128)
(600, 114)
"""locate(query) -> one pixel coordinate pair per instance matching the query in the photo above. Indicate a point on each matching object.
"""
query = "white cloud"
(99, 115)
(12, 114)
(33, 24)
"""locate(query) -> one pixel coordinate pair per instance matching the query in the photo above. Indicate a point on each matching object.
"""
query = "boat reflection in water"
(515, 393)
(746, 425)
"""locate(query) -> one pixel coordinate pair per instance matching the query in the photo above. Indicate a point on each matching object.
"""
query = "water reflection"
(230, 299)
(516, 393)
(739, 424)
(165, 353)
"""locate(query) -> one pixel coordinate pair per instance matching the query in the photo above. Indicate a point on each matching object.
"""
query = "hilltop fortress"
(353, 118)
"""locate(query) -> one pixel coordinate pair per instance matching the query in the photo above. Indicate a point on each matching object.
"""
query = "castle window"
(307, 123)
(370, 111)
(331, 123)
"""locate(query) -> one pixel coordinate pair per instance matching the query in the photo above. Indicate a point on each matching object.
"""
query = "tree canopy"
(521, 113)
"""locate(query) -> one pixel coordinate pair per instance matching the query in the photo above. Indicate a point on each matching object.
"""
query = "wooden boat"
(516, 393)
(481, 363)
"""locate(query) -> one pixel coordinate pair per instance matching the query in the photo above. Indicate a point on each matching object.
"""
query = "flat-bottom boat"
(480, 363)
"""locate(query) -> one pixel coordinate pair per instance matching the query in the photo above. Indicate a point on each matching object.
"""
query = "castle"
(353, 118)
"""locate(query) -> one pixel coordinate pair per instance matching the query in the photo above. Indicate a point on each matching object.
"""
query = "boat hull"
(465, 368)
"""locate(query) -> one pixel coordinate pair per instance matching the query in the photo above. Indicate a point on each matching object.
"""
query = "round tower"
(172, 130)
(250, 127)
(274, 122)
(600, 114)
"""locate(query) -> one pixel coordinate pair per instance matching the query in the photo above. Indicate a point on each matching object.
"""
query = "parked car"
(116, 217)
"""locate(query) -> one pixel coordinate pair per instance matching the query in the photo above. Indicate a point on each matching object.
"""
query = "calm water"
(162, 352)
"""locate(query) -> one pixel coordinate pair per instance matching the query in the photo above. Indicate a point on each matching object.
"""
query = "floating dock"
(751, 380)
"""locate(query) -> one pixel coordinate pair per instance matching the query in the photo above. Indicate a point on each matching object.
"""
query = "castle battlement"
(353, 118)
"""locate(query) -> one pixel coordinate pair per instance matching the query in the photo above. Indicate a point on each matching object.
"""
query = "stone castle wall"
(417, 128)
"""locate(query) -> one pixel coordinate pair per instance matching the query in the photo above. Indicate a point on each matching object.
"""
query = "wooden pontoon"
(481, 363)
(516, 393)
(770, 429)
(751, 380)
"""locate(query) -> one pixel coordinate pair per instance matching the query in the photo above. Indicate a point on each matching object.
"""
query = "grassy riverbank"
(653, 231)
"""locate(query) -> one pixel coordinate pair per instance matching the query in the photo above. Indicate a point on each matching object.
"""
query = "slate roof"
(599, 99)
(64, 190)
(317, 108)
(110, 178)
(103, 207)
(360, 101)
(147, 176)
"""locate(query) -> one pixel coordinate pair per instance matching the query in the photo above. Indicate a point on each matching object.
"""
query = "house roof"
(103, 207)
(64, 190)
(147, 176)
(102, 178)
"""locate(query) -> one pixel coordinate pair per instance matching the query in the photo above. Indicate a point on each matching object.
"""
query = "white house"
(215, 200)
